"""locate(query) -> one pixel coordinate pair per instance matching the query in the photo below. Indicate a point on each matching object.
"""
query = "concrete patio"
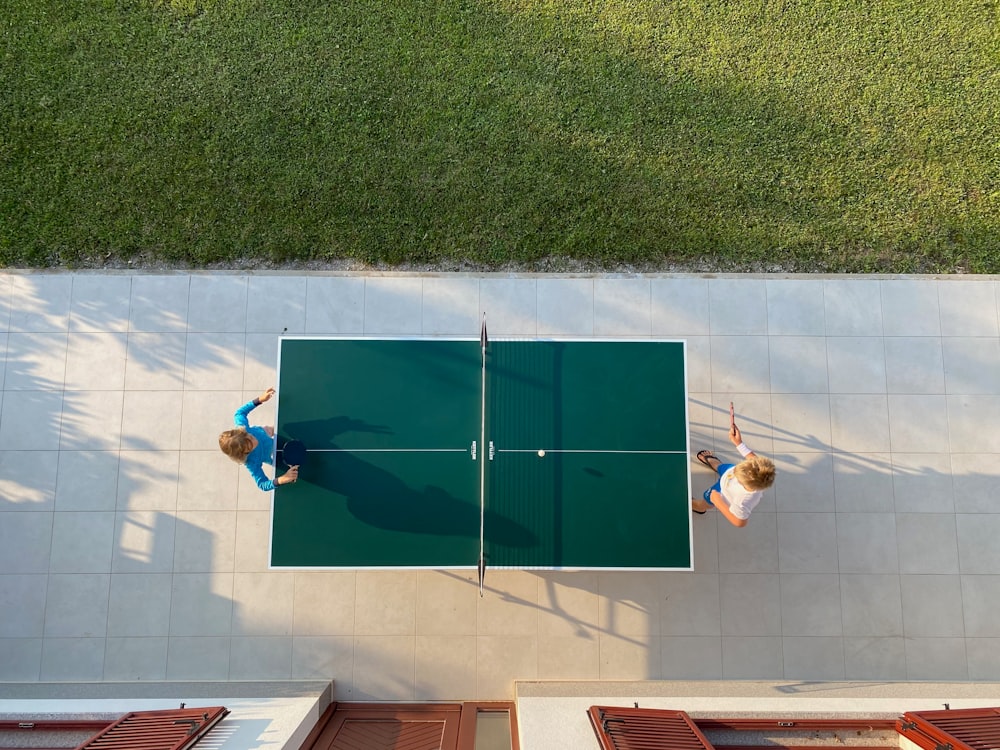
(132, 549)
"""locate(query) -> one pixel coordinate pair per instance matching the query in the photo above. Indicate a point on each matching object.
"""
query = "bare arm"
(736, 437)
(723, 507)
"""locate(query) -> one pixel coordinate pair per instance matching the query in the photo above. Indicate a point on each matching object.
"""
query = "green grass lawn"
(817, 135)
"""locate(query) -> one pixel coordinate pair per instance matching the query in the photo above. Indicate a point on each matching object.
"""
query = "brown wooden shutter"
(177, 729)
(962, 729)
(646, 729)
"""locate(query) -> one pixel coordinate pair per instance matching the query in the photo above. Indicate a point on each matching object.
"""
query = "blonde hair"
(756, 473)
(237, 444)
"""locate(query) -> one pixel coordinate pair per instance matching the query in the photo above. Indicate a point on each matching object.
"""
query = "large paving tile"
(738, 307)
(450, 306)
(622, 307)
(100, 302)
(927, 542)
(691, 658)
(510, 604)
(72, 660)
(751, 604)
(155, 361)
(323, 603)
(277, 304)
(96, 361)
(984, 658)
(393, 305)
(863, 483)
(801, 422)
(811, 604)
(922, 483)
(144, 542)
(932, 606)
(871, 605)
(444, 667)
(40, 303)
(970, 473)
(151, 420)
(335, 305)
(739, 364)
(926, 434)
(856, 364)
(385, 602)
(325, 657)
(971, 365)
(35, 361)
(813, 657)
(859, 423)
(25, 541)
(629, 603)
(159, 303)
(568, 604)
(910, 308)
(208, 480)
(87, 480)
(565, 307)
(562, 658)
(22, 601)
(260, 658)
(978, 551)
(914, 365)
(128, 659)
(198, 658)
(630, 657)
(262, 603)
(147, 480)
(76, 605)
(139, 605)
(92, 420)
(750, 549)
(31, 420)
(501, 659)
(968, 308)
(807, 543)
(966, 416)
(981, 602)
(852, 307)
(936, 659)
(691, 604)
(752, 658)
(20, 658)
(874, 658)
(511, 306)
(680, 307)
(82, 541)
(201, 604)
(804, 483)
(214, 362)
(798, 364)
(204, 541)
(384, 667)
(218, 303)
(866, 543)
(795, 308)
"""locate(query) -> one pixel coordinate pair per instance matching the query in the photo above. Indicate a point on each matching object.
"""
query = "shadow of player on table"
(383, 500)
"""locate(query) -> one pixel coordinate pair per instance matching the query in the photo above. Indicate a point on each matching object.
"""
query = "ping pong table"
(447, 453)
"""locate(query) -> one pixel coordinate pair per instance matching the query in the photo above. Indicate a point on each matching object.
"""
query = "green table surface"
(391, 481)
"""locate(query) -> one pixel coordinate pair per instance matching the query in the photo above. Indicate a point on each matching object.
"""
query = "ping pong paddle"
(732, 417)
(293, 453)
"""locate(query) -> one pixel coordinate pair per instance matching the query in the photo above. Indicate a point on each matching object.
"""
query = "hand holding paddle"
(292, 475)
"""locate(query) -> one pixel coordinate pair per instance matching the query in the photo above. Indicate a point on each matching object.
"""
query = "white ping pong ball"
(541, 453)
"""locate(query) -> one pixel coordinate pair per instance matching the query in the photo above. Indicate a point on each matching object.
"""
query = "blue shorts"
(717, 487)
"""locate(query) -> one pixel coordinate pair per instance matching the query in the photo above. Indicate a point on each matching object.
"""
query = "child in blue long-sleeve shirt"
(254, 446)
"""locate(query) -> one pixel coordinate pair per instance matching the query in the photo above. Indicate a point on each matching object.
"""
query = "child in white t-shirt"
(739, 487)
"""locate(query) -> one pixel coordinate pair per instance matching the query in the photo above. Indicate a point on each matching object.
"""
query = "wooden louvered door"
(391, 727)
